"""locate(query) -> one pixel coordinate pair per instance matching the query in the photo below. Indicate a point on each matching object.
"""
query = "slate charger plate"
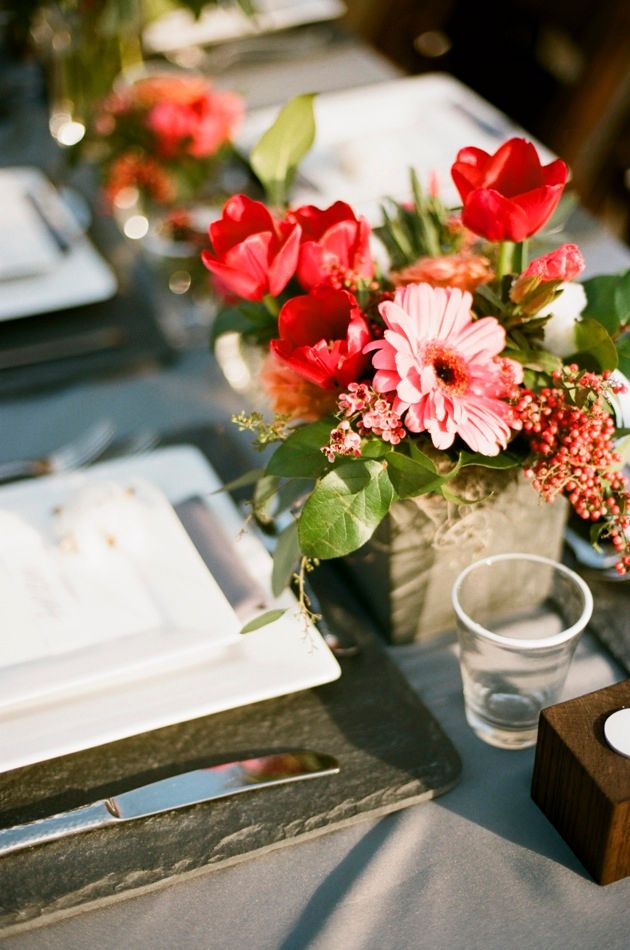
(392, 754)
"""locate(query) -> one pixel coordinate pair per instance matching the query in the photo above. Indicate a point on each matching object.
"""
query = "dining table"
(463, 859)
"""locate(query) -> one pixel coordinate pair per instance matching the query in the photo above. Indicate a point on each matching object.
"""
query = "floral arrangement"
(164, 135)
(387, 382)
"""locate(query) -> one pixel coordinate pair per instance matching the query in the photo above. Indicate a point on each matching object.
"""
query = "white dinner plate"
(275, 660)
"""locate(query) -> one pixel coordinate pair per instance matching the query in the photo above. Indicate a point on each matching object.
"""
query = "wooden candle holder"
(582, 785)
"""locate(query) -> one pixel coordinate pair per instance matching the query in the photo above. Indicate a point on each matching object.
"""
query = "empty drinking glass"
(519, 618)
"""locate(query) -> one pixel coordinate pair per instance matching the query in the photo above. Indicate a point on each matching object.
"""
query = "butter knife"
(179, 791)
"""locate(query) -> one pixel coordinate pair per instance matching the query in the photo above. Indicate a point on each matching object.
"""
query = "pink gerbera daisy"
(445, 369)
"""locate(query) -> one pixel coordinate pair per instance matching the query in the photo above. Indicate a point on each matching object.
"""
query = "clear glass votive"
(519, 617)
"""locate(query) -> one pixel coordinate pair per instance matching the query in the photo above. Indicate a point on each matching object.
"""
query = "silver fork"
(82, 450)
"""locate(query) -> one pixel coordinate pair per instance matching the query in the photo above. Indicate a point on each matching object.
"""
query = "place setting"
(75, 720)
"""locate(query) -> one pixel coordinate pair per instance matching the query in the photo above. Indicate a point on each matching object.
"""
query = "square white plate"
(57, 281)
(273, 661)
(368, 138)
(100, 584)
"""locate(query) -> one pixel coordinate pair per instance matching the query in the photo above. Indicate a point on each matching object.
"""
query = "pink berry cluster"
(570, 433)
(371, 413)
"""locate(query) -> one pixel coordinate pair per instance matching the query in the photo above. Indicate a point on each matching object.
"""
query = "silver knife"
(188, 788)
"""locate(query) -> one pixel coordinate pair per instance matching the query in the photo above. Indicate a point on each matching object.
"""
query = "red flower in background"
(252, 254)
(335, 245)
(507, 196)
(199, 127)
(322, 335)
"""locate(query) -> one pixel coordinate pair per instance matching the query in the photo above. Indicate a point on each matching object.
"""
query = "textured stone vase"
(406, 571)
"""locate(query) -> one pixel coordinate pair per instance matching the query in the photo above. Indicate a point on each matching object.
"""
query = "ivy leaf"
(410, 477)
(300, 455)
(277, 154)
(594, 345)
(285, 558)
(262, 620)
(345, 508)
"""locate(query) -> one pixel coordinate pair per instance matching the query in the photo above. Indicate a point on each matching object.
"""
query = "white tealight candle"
(617, 731)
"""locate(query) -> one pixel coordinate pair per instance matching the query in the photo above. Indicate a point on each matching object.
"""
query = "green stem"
(272, 305)
(519, 257)
(505, 257)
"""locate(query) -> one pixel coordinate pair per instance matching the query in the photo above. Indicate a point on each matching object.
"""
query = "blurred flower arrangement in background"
(388, 382)
(164, 135)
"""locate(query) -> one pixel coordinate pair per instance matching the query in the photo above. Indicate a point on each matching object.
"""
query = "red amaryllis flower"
(335, 245)
(252, 254)
(322, 336)
(507, 196)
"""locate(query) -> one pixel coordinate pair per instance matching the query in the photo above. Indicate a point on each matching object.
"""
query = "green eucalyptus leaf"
(594, 345)
(411, 478)
(300, 455)
(262, 620)
(277, 154)
(345, 508)
(285, 558)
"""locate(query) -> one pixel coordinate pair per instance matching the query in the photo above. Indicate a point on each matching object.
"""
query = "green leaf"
(409, 477)
(248, 478)
(623, 354)
(603, 303)
(376, 449)
(502, 461)
(419, 456)
(345, 508)
(266, 489)
(622, 298)
(276, 155)
(285, 558)
(300, 455)
(595, 345)
(229, 320)
(262, 620)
